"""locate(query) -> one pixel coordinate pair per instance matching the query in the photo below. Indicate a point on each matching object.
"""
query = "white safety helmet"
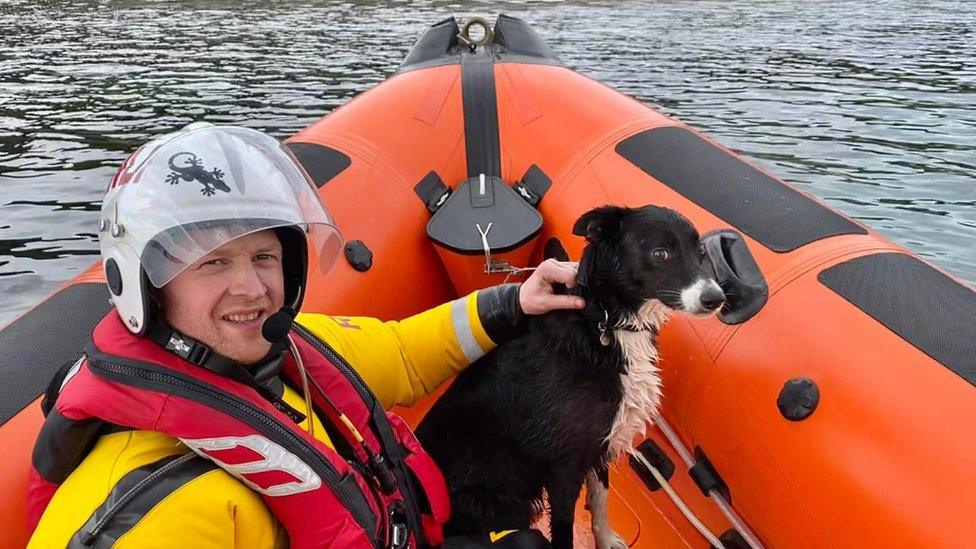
(185, 194)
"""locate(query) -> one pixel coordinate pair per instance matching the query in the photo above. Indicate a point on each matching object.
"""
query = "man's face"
(223, 299)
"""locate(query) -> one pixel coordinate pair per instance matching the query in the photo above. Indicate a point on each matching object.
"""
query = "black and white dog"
(559, 403)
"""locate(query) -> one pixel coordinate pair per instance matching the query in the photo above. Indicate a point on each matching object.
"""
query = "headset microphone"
(276, 327)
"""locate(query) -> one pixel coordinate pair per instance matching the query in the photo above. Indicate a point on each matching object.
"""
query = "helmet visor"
(174, 250)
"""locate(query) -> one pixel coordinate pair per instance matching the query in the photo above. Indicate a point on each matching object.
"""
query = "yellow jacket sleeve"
(403, 361)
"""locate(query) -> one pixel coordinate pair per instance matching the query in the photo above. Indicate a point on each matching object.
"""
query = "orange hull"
(888, 340)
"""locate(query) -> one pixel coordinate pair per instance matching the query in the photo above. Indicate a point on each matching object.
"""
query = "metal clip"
(496, 266)
(399, 536)
(117, 230)
(492, 266)
(604, 329)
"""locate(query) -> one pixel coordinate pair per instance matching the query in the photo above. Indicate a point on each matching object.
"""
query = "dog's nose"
(712, 298)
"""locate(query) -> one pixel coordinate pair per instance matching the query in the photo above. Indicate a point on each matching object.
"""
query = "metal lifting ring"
(465, 37)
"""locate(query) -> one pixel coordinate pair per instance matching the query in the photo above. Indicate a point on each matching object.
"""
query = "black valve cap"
(798, 398)
(358, 255)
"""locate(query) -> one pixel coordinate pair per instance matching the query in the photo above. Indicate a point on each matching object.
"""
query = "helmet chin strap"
(275, 330)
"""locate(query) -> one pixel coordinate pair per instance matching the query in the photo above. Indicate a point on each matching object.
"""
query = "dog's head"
(634, 255)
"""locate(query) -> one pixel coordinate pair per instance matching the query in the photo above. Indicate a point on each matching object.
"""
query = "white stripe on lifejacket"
(274, 457)
(462, 330)
(71, 373)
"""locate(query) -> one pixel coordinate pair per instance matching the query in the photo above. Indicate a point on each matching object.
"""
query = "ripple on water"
(866, 104)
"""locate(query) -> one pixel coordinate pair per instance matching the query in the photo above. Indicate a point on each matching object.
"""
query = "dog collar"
(605, 327)
(600, 316)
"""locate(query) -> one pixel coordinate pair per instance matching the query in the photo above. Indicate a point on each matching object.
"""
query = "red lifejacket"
(319, 498)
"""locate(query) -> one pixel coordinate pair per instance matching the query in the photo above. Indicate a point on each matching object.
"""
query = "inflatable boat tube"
(837, 415)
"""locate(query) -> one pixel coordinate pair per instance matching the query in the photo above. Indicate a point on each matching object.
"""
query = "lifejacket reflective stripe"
(316, 495)
(266, 467)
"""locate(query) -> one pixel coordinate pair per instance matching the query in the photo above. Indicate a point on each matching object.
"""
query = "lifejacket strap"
(395, 453)
(198, 354)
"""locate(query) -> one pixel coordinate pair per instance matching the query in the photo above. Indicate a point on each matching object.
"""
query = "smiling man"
(230, 319)
(204, 413)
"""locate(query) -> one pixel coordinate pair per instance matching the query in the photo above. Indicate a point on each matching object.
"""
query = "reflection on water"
(866, 104)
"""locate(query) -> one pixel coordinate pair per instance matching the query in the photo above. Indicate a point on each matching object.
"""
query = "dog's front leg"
(563, 488)
(597, 488)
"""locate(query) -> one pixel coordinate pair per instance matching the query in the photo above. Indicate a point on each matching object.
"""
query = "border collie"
(557, 404)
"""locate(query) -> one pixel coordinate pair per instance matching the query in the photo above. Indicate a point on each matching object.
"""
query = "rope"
(723, 505)
(679, 503)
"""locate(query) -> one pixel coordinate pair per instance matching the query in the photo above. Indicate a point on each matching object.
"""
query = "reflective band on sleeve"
(462, 330)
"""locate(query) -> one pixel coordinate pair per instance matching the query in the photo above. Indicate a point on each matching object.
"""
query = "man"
(201, 415)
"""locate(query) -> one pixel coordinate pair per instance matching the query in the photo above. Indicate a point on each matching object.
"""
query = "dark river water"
(870, 105)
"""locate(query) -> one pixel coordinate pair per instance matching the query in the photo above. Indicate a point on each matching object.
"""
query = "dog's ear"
(554, 250)
(600, 223)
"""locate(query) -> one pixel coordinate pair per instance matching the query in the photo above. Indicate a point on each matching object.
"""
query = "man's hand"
(536, 295)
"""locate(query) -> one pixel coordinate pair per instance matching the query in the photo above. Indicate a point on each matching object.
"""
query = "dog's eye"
(660, 254)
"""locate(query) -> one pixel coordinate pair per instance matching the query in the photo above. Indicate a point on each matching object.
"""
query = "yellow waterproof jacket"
(205, 507)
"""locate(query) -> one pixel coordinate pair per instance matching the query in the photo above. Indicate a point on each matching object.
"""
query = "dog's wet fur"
(560, 402)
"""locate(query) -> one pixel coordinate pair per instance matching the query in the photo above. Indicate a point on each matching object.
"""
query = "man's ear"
(600, 223)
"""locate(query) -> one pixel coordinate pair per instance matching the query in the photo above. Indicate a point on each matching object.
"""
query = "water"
(868, 105)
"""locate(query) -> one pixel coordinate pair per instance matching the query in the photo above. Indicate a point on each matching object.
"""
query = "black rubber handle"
(737, 273)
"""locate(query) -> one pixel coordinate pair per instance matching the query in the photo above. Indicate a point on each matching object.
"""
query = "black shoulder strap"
(54, 386)
(135, 495)
(63, 443)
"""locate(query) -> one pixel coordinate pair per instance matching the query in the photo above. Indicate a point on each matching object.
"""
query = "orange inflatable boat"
(838, 415)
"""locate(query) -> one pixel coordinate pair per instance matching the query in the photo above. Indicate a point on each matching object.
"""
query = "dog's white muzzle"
(702, 297)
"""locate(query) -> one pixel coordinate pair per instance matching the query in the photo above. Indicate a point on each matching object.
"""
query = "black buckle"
(188, 348)
(198, 354)
(432, 191)
(526, 193)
